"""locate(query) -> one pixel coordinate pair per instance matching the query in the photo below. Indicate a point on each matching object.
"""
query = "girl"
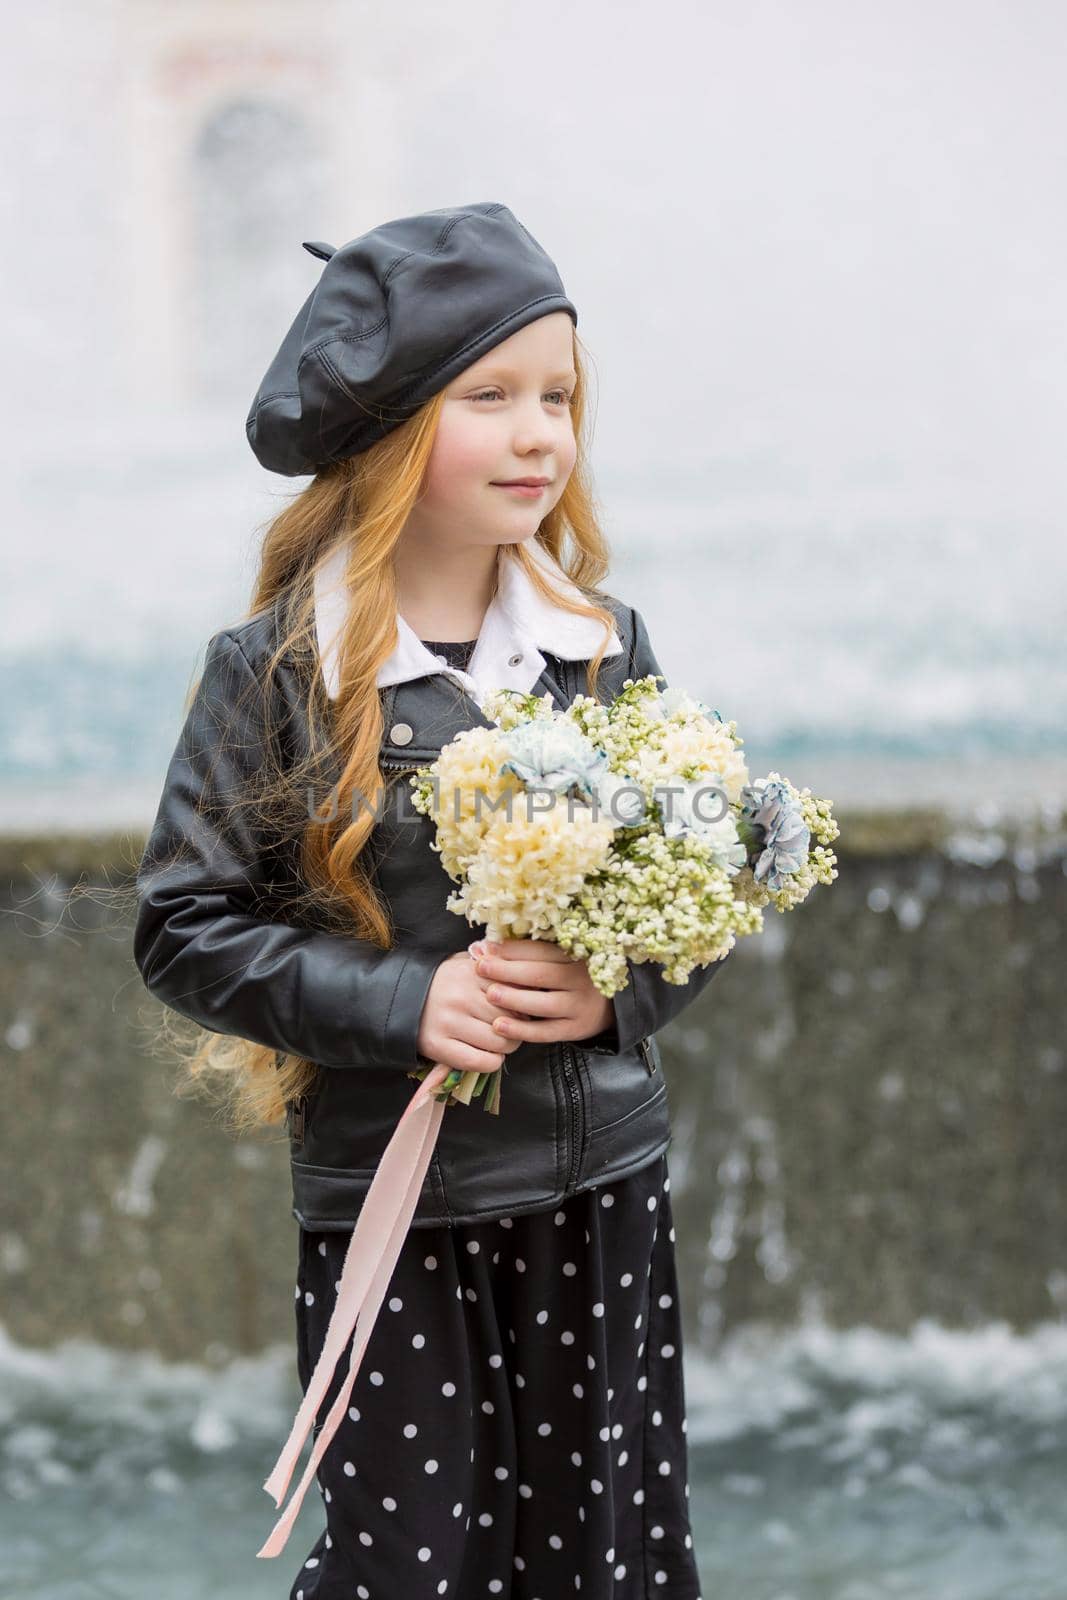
(517, 1425)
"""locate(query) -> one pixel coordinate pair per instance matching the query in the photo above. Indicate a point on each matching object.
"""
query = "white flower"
(696, 745)
(699, 807)
(620, 798)
(675, 701)
(552, 755)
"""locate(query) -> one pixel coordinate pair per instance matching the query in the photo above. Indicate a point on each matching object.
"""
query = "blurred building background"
(816, 265)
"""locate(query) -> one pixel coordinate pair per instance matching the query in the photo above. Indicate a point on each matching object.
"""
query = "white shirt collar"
(515, 629)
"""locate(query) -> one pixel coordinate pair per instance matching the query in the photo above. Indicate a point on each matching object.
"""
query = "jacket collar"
(516, 628)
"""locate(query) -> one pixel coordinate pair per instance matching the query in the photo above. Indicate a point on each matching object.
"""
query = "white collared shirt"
(517, 626)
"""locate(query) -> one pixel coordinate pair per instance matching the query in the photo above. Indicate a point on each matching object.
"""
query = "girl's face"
(507, 416)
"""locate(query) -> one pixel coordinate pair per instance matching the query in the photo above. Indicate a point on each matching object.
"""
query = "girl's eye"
(565, 399)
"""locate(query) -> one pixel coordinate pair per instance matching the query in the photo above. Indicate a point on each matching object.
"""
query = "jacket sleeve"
(204, 942)
(647, 1003)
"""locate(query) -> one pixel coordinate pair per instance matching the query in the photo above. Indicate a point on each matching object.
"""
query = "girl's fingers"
(565, 974)
(534, 1002)
(532, 950)
(483, 1061)
(532, 1031)
(463, 1056)
(485, 1037)
(485, 1010)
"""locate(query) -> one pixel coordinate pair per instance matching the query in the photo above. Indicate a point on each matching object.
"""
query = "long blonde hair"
(366, 501)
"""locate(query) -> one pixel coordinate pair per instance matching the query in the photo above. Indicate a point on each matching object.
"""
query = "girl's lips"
(531, 490)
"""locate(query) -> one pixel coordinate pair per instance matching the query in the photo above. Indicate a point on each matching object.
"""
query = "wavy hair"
(364, 501)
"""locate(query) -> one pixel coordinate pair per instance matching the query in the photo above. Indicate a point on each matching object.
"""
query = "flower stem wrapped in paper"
(626, 831)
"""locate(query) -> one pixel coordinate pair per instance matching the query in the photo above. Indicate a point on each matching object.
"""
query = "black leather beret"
(395, 316)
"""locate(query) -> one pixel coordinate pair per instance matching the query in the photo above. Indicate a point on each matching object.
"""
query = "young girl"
(517, 1425)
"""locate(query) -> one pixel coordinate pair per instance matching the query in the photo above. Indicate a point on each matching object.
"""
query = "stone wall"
(868, 1110)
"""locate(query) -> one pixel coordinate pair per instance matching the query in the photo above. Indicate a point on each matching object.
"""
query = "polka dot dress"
(517, 1425)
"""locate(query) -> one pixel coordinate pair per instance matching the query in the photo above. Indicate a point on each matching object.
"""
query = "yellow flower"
(530, 866)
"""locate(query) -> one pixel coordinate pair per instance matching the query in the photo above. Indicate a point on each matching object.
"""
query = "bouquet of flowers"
(620, 831)
(625, 831)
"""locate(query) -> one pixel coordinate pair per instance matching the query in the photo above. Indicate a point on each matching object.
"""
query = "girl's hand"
(540, 993)
(456, 1024)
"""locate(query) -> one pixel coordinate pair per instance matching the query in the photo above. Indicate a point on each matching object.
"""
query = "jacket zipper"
(399, 769)
(645, 1047)
(300, 1106)
(574, 1119)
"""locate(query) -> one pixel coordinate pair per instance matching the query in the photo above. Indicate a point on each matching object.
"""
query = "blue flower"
(553, 754)
(691, 806)
(773, 822)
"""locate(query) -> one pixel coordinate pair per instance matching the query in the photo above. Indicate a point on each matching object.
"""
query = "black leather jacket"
(212, 941)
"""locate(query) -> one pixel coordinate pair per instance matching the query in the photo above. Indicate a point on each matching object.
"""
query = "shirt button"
(514, 660)
(401, 733)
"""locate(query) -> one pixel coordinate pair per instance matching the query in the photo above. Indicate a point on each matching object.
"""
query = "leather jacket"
(212, 940)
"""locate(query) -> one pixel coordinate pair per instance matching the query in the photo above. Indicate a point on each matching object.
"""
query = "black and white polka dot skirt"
(517, 1425)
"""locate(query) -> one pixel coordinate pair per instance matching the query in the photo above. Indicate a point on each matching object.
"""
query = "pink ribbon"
(370, 1260)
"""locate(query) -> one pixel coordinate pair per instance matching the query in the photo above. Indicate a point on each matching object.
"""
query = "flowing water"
(824, 1465)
